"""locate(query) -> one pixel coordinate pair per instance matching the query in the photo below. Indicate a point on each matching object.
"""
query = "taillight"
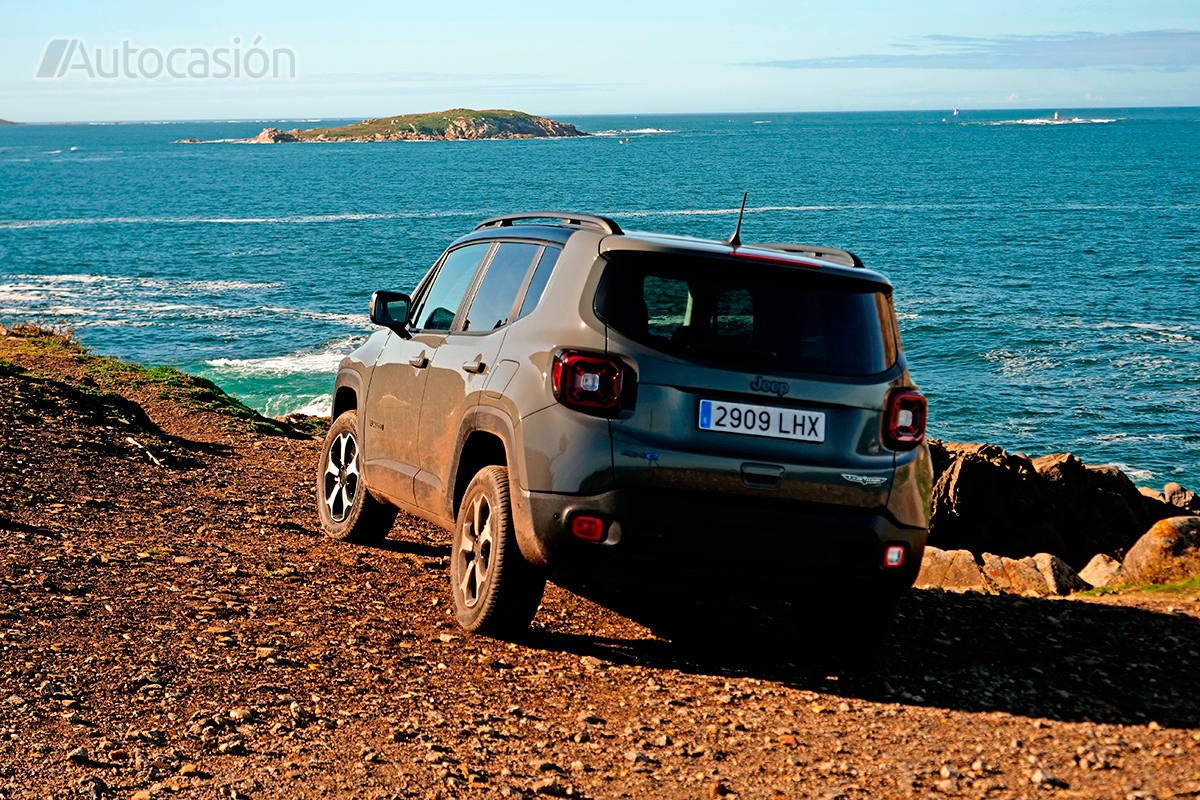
(593, 383)
(904, 419)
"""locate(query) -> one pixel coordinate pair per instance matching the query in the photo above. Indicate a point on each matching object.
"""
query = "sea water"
(1046, 270)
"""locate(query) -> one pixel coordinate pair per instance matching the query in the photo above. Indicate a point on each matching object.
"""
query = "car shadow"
(1055, 659)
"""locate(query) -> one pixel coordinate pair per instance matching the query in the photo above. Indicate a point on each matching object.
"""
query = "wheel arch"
(487, 437)
(346, 392)
(480, 448)
(344, 399)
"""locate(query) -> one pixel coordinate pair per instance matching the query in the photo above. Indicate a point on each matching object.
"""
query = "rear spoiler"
(834, 254)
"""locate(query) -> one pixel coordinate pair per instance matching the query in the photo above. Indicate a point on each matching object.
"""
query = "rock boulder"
(988, 500)
(958, 570)
(1179, 497)
(1102, 570)
(1168, 552)
(273, 136)
(1060, 578)
(955, 570)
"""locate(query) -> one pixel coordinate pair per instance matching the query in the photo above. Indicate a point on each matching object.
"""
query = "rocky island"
(452, 125)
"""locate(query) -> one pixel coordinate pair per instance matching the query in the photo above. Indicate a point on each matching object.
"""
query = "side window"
(441, 302)
(537, 284)
(497, 291)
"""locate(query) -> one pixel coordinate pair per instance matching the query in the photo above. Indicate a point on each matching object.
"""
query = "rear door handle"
(420, 362)
(474, 367)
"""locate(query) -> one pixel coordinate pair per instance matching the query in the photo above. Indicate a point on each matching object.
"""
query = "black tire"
(496, 591)
(346, 508)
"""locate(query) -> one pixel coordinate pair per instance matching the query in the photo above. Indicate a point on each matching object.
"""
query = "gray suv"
(564, 395)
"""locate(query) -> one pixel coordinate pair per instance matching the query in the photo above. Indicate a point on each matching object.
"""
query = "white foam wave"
(711, 212)
(71, 281)
(1049, 121)
(106, 301)
(227, 286)
(298, 219)
(1135, 474)
(633, 131)
(310, 405)
(1175, 333)
(324, 361)
(1140, 438)
(276, 366)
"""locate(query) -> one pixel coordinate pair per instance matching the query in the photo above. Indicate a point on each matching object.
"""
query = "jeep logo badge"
(761, 384)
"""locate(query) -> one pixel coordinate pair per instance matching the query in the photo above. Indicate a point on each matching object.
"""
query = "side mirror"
(391, 310)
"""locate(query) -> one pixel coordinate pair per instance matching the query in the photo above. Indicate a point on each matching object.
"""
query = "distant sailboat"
(956, 112)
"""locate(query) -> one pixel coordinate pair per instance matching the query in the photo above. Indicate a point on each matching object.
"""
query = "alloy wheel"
(475, 552)
(341, 476)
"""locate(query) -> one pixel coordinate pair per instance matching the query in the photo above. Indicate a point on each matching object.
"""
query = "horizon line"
(319, 118)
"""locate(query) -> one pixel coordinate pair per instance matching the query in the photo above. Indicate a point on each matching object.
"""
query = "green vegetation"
(186, 391)
(189, 392)
(1187, 586)
(434, 124)
(1179, 587)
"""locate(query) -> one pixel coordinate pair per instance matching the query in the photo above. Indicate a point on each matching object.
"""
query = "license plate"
(771, 421)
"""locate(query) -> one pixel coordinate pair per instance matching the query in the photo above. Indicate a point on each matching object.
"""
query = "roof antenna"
(735, 241)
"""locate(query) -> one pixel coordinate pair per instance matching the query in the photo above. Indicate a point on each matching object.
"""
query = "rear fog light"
(587, 528)
(894, 555)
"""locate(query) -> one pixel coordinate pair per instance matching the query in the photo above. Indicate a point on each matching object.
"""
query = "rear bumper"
(787, 541)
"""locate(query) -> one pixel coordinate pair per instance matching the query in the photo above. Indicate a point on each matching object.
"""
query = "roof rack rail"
(834, 254)
(604, 224)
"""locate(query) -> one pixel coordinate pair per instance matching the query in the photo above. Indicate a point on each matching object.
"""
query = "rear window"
(750, 317)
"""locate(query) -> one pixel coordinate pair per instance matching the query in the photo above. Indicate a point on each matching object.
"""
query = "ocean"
(1047, 270)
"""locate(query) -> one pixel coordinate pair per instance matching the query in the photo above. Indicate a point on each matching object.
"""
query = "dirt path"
(171, 625)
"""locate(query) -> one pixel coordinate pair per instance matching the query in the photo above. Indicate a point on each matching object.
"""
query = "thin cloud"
(1170, 50)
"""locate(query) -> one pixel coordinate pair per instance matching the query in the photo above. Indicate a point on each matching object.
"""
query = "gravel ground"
(172, 625)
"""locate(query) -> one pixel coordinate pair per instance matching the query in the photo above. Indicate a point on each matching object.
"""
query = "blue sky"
(368, 58)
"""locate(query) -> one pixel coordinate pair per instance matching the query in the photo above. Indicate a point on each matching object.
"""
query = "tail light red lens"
(904, 419)
(587, 528)
(593, 383)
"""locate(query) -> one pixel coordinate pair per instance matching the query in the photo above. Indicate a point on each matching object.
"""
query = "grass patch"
(189, 392)
(1100, 591)
(53, 341)
(1179, 587)
(1186, 586)
(186, 391)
